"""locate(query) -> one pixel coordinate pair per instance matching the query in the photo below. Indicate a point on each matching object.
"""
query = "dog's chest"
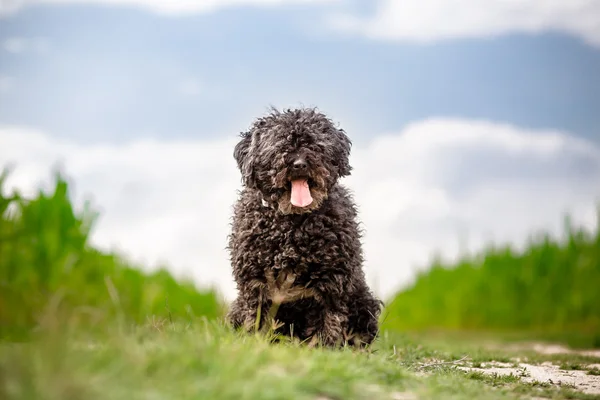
(295, 242)
(284, 286)
(290, 248)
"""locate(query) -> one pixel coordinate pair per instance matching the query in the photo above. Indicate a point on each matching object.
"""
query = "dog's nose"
(300, 165)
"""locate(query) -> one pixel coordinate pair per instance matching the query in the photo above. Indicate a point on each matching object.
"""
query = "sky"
(472, 122)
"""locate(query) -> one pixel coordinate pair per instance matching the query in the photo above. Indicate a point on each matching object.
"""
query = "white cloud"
(170, 7)
(441, 181)
(418, 190)
(6, 83)
(158, 201)
(431, 20)
(17, 45)
(14, 45)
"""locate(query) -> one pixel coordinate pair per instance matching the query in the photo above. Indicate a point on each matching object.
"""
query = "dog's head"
(293, 158)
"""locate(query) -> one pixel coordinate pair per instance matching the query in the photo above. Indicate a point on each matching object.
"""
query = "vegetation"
(550, 288)
(46, 261)
(79, 323)
(205, 360)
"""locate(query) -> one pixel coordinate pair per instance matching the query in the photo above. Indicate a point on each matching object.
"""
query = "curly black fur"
(301, 265)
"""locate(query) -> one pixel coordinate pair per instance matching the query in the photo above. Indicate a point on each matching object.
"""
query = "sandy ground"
(547, 372)
(544, 373)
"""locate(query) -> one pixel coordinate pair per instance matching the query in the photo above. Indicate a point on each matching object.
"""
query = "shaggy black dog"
(295, 243)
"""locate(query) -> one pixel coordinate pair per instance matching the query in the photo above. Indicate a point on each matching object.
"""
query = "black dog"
(295, 242)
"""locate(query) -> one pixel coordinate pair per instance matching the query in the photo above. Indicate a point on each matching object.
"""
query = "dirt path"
(547, 372)
(543, 373)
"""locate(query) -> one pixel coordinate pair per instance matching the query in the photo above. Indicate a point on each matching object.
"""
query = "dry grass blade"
(438, 364)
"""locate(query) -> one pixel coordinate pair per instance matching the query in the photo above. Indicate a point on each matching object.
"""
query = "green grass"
(79, 323)
(163, 360)
(46, 261)
(549, 291)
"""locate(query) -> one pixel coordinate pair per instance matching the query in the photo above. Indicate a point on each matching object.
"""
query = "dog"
(295, 243)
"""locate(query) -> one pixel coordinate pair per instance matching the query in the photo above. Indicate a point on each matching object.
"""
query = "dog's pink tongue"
(300, 193)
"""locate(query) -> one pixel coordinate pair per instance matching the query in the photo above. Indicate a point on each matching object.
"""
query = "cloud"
(419, 190)
(450, 184)
(159, 201)
(18, 45)
(432, 20)
(170, 7)
(6, 83)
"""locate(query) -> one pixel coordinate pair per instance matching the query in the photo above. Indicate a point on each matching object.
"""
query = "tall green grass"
(48, 267)
(552, 287)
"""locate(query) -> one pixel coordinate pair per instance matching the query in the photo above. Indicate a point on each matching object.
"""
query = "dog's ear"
(240, 152)
(243, 159)
(343, 154)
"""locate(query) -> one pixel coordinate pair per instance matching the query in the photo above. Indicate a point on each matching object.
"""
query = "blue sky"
(495, 102)
(122, 73)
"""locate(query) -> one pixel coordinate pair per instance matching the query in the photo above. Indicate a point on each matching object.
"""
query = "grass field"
(78, 323)
(160, 360)
(46, 255)
(548, 290)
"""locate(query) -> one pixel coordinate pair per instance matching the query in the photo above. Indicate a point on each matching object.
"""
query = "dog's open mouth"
(300, 192)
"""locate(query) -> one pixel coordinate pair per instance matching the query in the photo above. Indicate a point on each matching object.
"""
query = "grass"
(163, 360)
(45, 255)
(80, 323)
(549, 290)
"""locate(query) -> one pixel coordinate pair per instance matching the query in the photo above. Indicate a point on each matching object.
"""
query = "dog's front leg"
(332, 331)
(331, 326)
(248, 310)
(329, 288)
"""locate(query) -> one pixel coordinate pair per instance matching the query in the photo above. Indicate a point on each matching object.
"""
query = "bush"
(552, 287)
(48, 267)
